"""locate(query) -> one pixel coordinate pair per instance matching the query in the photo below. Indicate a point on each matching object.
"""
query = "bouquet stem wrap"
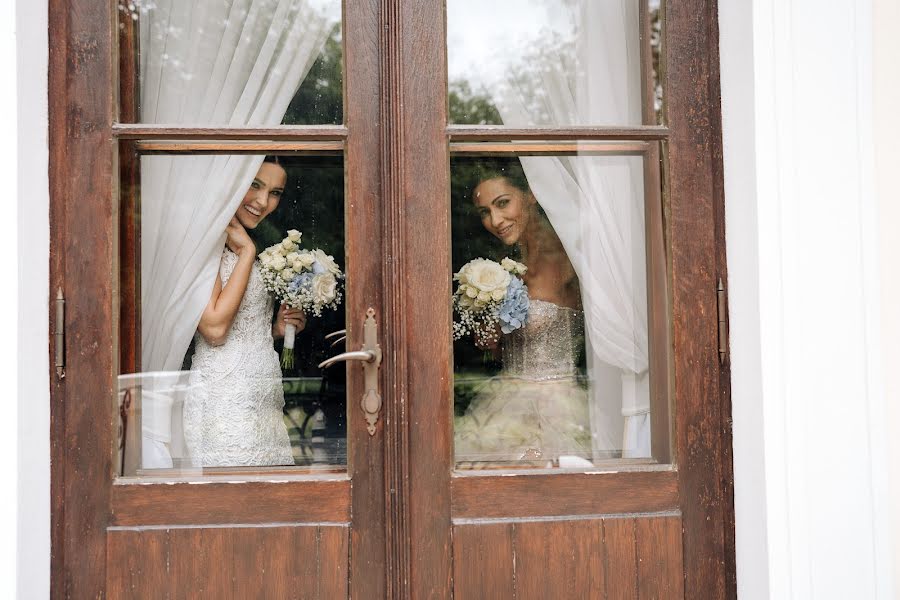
(287, 352)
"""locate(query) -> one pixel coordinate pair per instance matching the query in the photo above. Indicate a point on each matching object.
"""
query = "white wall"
(34, 229)
(887, 162)
(802, 228)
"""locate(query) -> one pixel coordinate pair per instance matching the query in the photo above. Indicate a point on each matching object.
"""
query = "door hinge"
(721, 310)
(59, 334)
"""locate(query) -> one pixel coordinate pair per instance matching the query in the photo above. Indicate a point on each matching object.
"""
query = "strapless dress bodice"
(548, 346)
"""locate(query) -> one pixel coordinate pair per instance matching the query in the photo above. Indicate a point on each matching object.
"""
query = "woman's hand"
(238, 241)
(288, 316)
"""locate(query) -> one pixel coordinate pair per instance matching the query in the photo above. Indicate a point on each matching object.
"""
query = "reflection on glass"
(213, 388)
(560, 379)
(545, 62)
(238, 62)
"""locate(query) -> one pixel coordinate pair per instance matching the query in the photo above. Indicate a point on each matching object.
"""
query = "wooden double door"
(400, 520)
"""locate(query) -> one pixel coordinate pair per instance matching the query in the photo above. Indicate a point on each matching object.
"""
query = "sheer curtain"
(595, 204)
(228, 62)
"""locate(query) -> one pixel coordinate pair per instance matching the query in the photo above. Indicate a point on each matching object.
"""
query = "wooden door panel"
(238, 501)
(282, 561)
(479, 496)
(637, 556)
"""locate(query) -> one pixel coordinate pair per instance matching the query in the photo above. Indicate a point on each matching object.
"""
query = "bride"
(233, 411)
(535, 411)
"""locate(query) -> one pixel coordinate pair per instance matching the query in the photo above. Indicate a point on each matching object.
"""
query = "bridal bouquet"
(304, 279)
(490, 294)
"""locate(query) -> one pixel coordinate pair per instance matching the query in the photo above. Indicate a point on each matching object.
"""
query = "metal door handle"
(363, 355)
(336, 334)
(370, 355)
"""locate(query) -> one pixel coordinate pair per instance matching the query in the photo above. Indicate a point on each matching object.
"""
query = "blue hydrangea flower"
(300, 282)
(513, 312)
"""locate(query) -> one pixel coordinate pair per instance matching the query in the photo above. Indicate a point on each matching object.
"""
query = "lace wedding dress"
(233, 411)
(535, 410)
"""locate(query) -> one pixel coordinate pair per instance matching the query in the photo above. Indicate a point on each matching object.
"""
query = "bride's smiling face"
(262, 196)
(504, 209)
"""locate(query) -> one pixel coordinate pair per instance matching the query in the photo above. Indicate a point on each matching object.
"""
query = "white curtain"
(595, 204)
(224, 62)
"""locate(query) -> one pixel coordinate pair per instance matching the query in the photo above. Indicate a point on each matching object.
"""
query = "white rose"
(291, 257)
(513, 266)
(326, 261)
(465, 302)
(265, 258)
(498, 294)
(306, 259)
(293, 235)
(487, 276)
(288, 245)
(470, 291)
(324, 288)
(278, 262)
(287, 274)
(484, 296)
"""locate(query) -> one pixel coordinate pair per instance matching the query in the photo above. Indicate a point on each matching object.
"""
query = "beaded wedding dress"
(535, 411)
(233, 411)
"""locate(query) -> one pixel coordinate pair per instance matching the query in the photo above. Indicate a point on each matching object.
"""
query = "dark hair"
(274, 159)
(471, 171)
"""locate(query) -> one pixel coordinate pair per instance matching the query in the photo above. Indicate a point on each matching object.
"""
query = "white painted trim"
(887, 158)
(809, 439)
(34, 276)
(8, 303)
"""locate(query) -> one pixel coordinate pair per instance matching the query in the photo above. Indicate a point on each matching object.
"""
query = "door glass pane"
(551, 62)
(233, 62)
(552, 348)
(210, 245)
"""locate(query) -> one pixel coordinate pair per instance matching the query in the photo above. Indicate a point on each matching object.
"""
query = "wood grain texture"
(498, 133)
(483, 561)
(637, 556)
(310, 501)
(620, 558)
(694, 201)
(560, 494)
(315, 148)
(224, 563)
(365, 247)
(427, 362)
(81, 112)
(396, 308)
(559, 559)
(725, 425)
(658, 549)
(281, 133)
(136, 564)
(563, 148)
(129, 209)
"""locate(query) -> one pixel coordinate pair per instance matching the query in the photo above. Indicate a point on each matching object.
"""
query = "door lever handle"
(338, 341)
(363, 355)
(370, 355)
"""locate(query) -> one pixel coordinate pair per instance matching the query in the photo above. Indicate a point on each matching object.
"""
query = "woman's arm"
(217, 317)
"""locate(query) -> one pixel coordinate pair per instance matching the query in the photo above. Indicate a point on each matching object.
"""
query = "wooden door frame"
(84, 221)
(417, 445)
(699, 482)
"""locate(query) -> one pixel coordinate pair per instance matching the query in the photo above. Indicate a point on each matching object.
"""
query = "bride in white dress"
(535, 411)
(233, 412)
